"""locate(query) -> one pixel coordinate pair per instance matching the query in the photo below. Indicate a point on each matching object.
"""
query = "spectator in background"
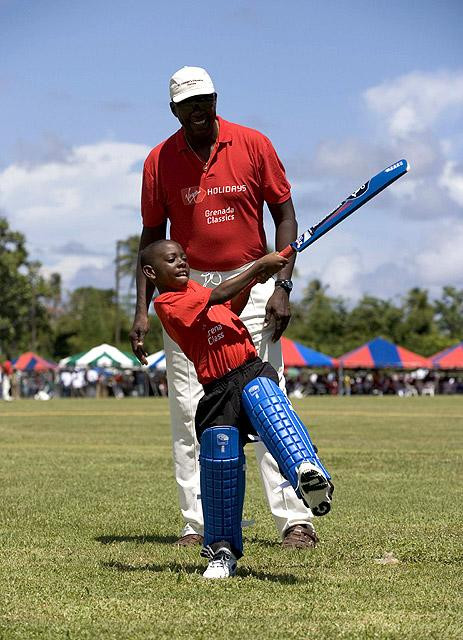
(92, 381)
(7, 372)
(65, 378)
(78, 383)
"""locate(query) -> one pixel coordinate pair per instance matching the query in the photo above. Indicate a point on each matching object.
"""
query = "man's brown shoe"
(300, 536)
(189, 540)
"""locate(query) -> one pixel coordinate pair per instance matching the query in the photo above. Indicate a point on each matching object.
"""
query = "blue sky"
(342, 88)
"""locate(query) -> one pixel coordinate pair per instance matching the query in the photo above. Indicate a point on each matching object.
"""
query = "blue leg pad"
(222, 481)
(281, 430)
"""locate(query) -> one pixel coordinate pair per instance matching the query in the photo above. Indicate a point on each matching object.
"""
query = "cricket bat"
(366, 192)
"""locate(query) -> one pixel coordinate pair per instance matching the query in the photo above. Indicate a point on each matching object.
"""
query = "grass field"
(89, 511)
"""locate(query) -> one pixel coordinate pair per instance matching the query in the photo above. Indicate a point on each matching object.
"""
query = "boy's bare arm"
(241, 300)
(261, 271)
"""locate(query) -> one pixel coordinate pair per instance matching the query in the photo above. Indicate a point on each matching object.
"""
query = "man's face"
(196, 115)
(171, 269)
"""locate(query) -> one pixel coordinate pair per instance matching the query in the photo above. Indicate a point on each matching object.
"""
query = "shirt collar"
(225, 135)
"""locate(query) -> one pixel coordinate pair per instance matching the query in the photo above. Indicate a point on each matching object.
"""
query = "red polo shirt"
(213, 338)
(215, 210)
(7, 367)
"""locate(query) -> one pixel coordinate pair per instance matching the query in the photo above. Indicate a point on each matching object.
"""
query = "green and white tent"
(104, 355)
(157, 361)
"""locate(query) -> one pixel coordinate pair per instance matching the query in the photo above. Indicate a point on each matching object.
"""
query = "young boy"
(242, 397)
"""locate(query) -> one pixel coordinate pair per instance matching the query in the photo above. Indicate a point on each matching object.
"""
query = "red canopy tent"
(30, 361)
(296, 354)
(382, 354)
(451, 358)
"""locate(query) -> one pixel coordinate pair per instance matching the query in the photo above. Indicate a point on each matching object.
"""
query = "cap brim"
(189, 94)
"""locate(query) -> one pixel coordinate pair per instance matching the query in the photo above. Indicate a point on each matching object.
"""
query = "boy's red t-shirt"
(213, 338)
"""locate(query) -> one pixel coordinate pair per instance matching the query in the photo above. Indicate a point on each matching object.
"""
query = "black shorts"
(222, 403)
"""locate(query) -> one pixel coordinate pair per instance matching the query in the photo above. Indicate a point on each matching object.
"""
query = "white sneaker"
(222, 563)
(316, 490)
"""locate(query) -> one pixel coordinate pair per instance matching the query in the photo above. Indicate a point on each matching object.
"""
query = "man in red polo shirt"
(211, 180)
(6, 373)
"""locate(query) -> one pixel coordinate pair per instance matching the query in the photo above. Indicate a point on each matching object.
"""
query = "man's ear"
(173, 108)
(149, 272)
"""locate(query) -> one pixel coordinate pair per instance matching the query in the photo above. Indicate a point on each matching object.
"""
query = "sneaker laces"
(218, 559)
(206, 552)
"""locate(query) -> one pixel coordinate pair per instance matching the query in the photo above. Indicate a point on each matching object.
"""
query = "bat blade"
(363, 194)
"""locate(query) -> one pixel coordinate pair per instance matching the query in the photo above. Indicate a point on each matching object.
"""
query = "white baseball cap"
(188, 82)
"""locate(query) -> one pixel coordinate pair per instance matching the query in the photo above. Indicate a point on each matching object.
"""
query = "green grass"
(89, 510)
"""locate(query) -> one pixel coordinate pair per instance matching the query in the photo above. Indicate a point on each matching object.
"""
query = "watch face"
(287, 285)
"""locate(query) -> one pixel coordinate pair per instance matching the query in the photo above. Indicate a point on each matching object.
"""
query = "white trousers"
(6, 387)
(184, 394)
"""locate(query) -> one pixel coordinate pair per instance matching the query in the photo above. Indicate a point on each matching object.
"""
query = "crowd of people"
(376, 382)
(83, 383)
(115, 383)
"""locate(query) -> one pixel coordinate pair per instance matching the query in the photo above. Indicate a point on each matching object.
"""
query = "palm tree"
(127, 258)
(126, 267)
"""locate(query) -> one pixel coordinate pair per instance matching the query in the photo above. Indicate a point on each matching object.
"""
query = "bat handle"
(287, 252)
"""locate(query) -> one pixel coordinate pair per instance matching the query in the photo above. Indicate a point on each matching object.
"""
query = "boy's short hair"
(148, 254)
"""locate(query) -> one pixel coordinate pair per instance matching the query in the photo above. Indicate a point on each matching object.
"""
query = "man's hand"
(137, 335)
(279, 310)
(145, 290)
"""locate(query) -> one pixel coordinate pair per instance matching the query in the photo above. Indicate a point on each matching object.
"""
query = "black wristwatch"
(287, 285)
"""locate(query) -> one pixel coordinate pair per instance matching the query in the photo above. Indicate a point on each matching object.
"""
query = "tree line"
(334, 326)
(36, 315)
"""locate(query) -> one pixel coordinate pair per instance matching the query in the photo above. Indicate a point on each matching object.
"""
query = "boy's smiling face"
(169, 270)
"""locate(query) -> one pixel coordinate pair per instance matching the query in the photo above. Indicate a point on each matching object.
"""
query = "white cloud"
(342, 273)
(412, 103)
(352, 159)
(72, 264)
(387, 254)
(409, 115)
(441, 262)
(91, 198)
(452, 181)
